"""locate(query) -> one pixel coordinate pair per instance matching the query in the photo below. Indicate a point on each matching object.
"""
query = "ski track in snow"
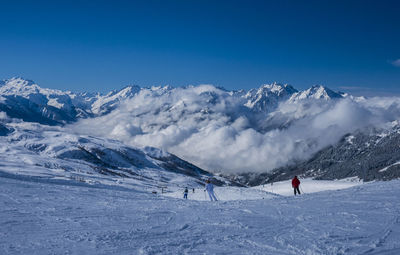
(50, 218)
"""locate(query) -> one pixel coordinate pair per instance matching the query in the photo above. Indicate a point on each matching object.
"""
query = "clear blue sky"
(103, 45)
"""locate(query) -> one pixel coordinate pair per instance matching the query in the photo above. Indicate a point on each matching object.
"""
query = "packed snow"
(308, 186)
(39, 216)
(222, 193)
(266, 191)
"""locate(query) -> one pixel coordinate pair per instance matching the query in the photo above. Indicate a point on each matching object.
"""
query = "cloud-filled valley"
(215, 129)
(237, 131)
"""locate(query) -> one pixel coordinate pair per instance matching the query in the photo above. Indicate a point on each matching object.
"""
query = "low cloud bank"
(214, 130)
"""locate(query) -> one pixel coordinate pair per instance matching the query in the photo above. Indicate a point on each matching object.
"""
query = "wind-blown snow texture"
(39, 217)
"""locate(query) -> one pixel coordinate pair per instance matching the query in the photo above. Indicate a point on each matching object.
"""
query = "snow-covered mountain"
(267, 97)
(218, 130)
(24, 99)
(315, 92)
(106, 103)
(40, 151)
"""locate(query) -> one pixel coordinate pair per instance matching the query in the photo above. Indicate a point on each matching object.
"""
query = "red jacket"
(295, 182)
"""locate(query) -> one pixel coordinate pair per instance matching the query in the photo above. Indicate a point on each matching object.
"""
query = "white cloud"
(396, 62)
(213, 130)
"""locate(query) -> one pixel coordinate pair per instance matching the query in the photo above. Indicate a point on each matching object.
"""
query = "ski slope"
(44, 216)
(309, 185)
(283, 188)
(226, 193)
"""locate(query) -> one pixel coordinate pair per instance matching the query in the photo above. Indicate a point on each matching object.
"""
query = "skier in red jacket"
(295, 185)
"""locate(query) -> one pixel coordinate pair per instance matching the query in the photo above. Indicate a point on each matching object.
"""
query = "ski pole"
(205, 198)
(302, 190)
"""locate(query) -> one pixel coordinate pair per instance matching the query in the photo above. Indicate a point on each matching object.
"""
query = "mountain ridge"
(260, 130)
(83, 105)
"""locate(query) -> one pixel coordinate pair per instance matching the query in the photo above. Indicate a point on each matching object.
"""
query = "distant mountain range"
(214, 128)
(24, 99)
(267, 97)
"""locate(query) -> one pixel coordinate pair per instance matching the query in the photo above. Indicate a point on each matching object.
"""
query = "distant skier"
(185, 193)
(210, 190)
(193, 190)
(295, 185)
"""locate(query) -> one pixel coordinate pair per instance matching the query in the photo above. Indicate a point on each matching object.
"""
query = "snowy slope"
(44, 152)
(39, 217)
(266, 191)
(308, 186)
(226, 193)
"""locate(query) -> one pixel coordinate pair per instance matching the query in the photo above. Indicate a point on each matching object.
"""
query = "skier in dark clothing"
(295, 185)
(185, 193)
